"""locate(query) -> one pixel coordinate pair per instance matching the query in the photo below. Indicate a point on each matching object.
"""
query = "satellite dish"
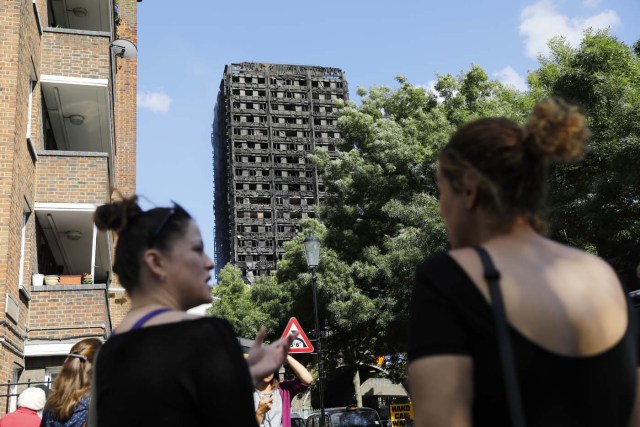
(124, 49)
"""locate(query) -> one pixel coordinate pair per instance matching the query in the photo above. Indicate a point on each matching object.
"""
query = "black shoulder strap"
(492, 276)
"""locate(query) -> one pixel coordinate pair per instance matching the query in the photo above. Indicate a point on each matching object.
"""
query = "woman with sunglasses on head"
(162, 366)
(68, 402)
(569, 327)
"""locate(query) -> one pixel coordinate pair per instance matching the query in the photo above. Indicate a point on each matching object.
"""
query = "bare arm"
(301, 372)
(442, 390)
(635, 415)
(264, 360)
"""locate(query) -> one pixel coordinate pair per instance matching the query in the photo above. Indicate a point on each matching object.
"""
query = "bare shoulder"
(464, 255)
(590, 264)
(192, 316)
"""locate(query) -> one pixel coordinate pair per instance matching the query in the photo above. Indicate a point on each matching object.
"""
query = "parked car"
(349, 416)
(297, 420)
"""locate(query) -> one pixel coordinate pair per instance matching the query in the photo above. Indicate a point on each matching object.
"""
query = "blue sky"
(184, 46)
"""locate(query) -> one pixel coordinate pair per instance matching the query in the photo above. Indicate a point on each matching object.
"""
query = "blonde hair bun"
(556, 131)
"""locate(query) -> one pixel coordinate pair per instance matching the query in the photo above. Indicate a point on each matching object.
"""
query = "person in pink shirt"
(30, 402)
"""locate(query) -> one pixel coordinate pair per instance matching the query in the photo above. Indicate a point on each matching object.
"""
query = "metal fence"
(8, 386)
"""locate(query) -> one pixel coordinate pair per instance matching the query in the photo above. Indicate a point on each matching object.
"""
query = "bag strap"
(492, 276)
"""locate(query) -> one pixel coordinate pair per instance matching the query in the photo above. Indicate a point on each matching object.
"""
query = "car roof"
(329, 411)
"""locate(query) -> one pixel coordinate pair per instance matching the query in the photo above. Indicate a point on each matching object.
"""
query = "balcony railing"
(72, 177)
(61, 55)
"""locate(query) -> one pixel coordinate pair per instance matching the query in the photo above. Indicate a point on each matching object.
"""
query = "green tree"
(384, 217)
(595, 203)
(234, 301)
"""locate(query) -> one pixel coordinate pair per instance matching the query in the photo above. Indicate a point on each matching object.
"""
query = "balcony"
(78, 113)
(96, 15)
(61, 313)
(68, 242)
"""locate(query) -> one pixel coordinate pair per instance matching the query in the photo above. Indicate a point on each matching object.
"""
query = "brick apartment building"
(67, 134)
(269, 118)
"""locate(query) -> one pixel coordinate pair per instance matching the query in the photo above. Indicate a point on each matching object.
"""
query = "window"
(26, 212)
(50, 375)
(13, 389)
(32, 86)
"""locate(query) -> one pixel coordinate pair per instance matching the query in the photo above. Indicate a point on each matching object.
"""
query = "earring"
(162, 277)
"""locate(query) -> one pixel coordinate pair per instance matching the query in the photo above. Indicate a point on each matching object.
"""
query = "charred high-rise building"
(268, 119)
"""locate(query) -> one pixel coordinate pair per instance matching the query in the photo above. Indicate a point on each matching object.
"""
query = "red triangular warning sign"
(301, 344)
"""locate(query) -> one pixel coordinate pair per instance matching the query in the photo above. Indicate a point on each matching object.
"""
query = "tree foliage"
(595, 203)
(235, 301)
(383, 219)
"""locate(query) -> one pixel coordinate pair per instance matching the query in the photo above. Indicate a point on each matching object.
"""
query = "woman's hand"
(264, 405)
(264, 360)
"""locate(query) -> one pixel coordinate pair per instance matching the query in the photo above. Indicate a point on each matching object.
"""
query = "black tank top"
(449, 315)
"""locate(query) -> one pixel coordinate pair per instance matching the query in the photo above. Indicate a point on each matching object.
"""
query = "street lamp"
(312, 253)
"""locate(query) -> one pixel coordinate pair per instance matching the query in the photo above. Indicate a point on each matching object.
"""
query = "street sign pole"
(319, 344)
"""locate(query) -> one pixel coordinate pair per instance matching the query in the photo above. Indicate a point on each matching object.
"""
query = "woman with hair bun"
(162, 366)
(68, 402)
(568, 344)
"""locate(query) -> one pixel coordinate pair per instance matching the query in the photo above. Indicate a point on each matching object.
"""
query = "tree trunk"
(356, 386)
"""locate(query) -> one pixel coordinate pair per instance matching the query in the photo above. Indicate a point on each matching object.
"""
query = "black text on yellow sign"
(400, 413)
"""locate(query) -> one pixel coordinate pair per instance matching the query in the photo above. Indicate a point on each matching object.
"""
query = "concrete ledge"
(61, 153)
(79, 32)
(62, 288)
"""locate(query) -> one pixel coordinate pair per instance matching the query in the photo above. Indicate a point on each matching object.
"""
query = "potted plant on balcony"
(51, 279)
(87, 279)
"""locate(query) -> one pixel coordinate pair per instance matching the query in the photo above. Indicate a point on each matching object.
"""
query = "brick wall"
(126, 89)
(75, 53)
(67, 177)
(84, 179)
(119, 305)
(69, 311)
(19, 57)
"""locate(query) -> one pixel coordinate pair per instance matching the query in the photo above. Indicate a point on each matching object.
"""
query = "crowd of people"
(508, 328)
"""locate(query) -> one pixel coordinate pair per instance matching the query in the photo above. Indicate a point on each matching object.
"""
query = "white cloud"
(158, 102)
(430, 87)
(541, 21)
(591, 3)
(510, 77)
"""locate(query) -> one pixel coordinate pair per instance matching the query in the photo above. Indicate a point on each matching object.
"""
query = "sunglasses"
(165, 220)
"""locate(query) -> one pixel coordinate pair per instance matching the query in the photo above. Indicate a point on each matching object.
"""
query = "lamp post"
(312, 252)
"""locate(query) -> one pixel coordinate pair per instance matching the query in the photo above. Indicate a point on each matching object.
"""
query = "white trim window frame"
(32, 86)
(50, 375)
(23, 245)
(13, 389)
(33, 81)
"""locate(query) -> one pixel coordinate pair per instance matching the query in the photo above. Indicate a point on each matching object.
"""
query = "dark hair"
(74, 380)
(275, 381)
(511, 161)
(138, 231)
